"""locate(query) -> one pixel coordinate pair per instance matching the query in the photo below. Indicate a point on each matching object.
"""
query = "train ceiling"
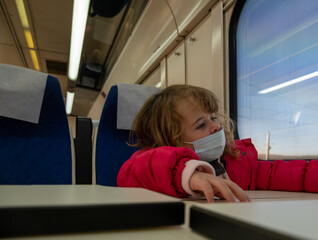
(49, 23)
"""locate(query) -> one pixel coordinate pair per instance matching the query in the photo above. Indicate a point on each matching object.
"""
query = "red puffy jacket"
(160, 169)
(250, 173)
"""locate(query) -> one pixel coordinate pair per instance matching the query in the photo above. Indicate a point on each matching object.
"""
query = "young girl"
(182, 141)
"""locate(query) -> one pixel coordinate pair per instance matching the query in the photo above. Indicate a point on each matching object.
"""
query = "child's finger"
(208, 192)
(238, 192)
(223, 190)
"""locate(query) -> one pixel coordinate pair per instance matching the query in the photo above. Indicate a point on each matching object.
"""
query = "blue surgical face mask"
(211, 147)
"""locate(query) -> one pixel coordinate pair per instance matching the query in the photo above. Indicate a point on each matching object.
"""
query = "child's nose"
(214, 127)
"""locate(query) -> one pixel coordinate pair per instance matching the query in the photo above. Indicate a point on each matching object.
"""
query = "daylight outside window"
(277, 77)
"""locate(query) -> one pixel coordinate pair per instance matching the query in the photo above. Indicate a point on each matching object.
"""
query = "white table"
(43, 195)
(271, 215)
(46, 209)
(159, 233)
(262, 196)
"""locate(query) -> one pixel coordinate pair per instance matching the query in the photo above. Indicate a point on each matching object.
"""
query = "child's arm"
(293, 175)
(198, 179)
(159, 169)
(174, 171)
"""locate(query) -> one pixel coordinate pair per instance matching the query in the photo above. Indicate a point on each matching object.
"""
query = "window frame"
(233, 63)
(232, 46)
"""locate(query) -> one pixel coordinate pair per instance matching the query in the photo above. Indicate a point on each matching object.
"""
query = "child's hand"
(211, 186)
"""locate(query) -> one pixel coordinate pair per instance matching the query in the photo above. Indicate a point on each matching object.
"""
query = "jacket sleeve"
(250, 173)
(242, 169)
(159, 169)
(292, 175)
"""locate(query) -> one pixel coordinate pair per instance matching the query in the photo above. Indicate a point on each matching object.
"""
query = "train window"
(276, 76)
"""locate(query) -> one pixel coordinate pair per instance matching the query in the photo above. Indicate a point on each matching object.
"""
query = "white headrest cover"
(21, 93)
(131, 98)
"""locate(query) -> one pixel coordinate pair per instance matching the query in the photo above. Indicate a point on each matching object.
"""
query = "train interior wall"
(184, 42)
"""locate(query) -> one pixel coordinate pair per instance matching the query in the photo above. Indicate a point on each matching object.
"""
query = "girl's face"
(196, 122)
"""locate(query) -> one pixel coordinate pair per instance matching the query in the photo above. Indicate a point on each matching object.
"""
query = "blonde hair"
(158, 123)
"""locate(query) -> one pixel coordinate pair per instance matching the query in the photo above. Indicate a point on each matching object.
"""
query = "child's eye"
(213, 118)
(201, 125)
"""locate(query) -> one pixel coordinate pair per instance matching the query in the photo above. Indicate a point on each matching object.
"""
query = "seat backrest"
(36, 153)
(122, 104)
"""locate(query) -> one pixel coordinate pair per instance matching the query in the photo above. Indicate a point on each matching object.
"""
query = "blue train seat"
(111, 150)
(34, 152)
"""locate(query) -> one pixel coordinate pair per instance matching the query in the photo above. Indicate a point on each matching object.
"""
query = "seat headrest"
(21, 87)
(131, 98)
